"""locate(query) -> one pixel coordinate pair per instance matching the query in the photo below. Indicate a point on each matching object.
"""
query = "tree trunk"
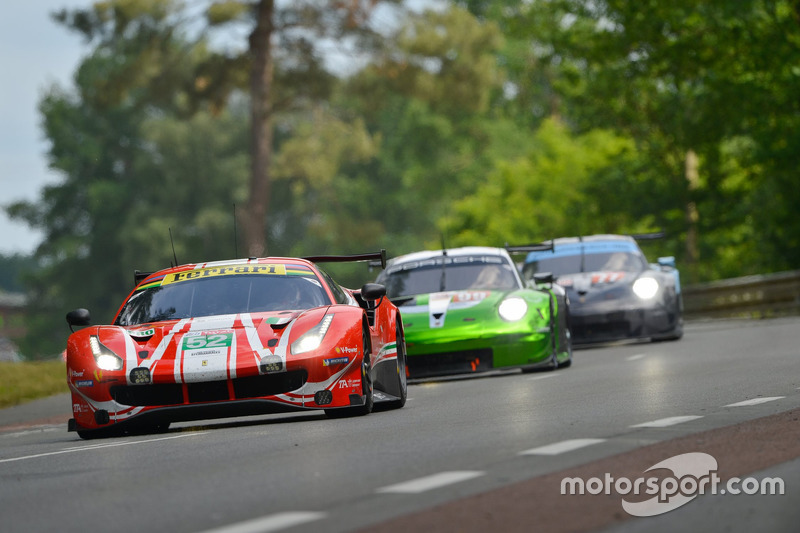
(261, 130)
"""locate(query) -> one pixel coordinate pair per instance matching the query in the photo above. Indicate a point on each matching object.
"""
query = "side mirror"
(78, 317)
(543, 277)
(667, 261)
(373, 291)
(369, 293)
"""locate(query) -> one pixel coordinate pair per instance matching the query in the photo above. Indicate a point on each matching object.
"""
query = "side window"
(339, 295)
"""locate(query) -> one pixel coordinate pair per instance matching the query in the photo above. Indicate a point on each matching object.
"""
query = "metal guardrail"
(760, 296)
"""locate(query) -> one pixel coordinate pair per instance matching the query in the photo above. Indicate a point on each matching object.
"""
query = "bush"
(22, 382)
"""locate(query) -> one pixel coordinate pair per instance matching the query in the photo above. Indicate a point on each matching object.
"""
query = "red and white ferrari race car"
(239, 337)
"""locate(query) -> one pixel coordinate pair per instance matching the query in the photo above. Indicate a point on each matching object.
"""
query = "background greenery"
(21, 382)
(480, 122)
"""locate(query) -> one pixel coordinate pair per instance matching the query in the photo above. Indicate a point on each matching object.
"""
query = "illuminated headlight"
(645, 287)
(513, 309)
(311, 339)
(105, 358)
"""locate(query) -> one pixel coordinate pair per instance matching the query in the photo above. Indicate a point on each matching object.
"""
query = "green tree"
(546, 194)
(13, 270)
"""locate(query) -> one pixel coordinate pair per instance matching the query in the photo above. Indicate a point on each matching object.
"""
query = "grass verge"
(22, 382)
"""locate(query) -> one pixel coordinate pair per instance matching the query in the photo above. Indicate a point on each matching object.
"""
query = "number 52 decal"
(207, 340)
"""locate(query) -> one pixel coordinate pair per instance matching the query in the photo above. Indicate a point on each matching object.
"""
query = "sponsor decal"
(335, 360)
(448, 260)
(349, 383)
(379, 396)
(690, 474)
(266, 269)
(471, 296)
(143, 333)
(75, 373)
(202, 353)
(596, 279)
(345, 350)
(607, 277)
(83, 383)
(437, 309)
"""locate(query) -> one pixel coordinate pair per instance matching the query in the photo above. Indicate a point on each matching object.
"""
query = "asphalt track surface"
(476, 454)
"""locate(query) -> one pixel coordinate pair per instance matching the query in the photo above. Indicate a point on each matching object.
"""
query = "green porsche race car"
(467, 310)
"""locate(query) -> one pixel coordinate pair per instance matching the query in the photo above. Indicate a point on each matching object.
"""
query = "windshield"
(592, 262)
(222, 295)
(459, 273)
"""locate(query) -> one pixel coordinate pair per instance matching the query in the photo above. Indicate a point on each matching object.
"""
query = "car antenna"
(443, 281)
(235, 242)
(583, 254)
(173, 247)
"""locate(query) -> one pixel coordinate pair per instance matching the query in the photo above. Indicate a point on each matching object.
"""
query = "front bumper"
(596, 326)
(441, 354)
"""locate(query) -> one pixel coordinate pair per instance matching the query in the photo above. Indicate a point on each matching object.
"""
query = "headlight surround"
(311, 339)
(513, 309)
(105, 358)
(645, 287)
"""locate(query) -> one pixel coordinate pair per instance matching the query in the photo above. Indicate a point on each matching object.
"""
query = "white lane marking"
(273, 522)
(664, 422)
(755, 401)
(562, 447)
(98, 446)
(636, 357)
(435, 481)
(543, 376)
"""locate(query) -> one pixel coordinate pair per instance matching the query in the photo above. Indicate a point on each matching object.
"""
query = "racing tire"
(366, 386)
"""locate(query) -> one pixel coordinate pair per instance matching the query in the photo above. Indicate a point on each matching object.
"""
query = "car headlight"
(513, 309)
(311, 339)
(645, 287)
(105, 358)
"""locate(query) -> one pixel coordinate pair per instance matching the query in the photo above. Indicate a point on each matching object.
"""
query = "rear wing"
(139, 276)
(378, 258)
(526, 248)
(647, 236)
